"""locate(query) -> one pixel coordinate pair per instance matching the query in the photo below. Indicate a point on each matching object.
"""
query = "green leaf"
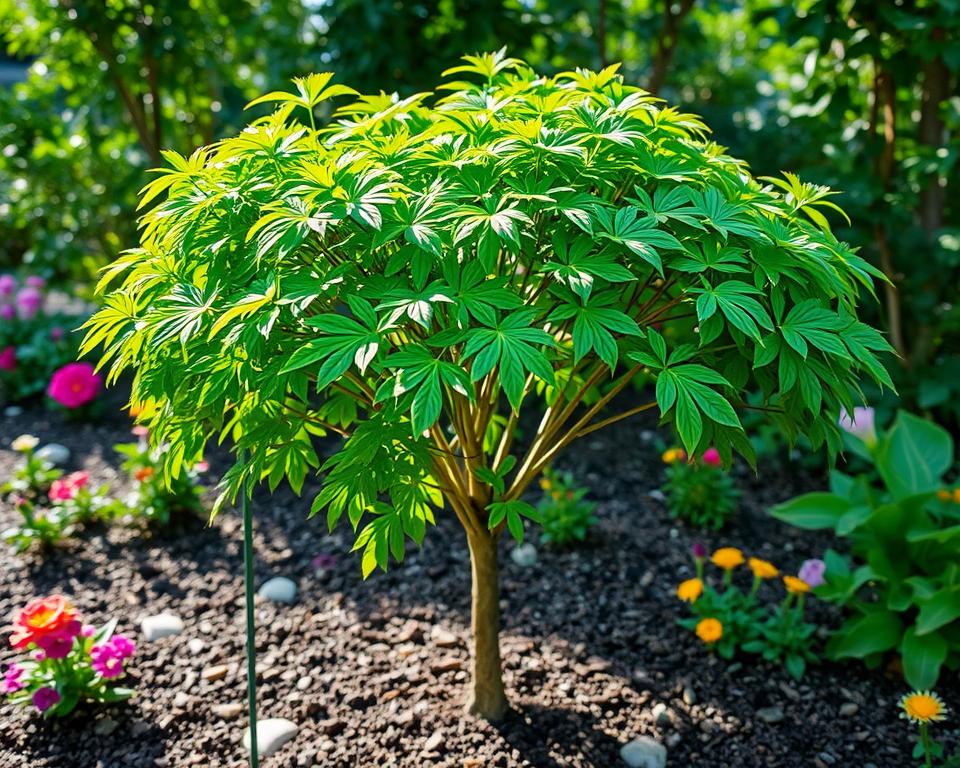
(812, 511)
(913, 455)
(865, 635)
(939, 610)
(923, 656)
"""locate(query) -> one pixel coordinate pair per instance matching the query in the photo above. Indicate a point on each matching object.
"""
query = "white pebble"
(162, 625)
(279, 589)
(56, 454)
(272, 734)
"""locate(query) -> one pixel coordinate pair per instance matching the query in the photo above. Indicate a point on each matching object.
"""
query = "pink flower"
(35, 281)
(56, 333)
(58, 644)
(8, 284)
(74, 385)
(8, 359)
(812, 571)
(324, 562)
(29, 300)
(7, 312)
(201, 466)
(711, 457)
(140, 430)
(861, 424)
(44, 698)
(107, 659)
(66, 489)
(88, 630)
(12, 679)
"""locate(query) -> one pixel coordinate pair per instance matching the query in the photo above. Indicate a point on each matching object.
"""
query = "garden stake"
(251, 619)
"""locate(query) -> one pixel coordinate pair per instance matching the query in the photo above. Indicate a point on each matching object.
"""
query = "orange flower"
(709, 630)
(672, 455)
(762, 569)
(41, 618)
(690, 590)
(144, 473)
(956, 495)
(944, 495)
(727, 558)
(796, 586)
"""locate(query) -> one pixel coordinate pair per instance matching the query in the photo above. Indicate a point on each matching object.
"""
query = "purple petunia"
(812, 571)
(44, 698)
(107, 659)
(12, 681)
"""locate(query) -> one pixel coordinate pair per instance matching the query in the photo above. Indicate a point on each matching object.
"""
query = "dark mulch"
(590, 643)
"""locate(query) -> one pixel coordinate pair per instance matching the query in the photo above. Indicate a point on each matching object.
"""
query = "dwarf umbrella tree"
(415, 274)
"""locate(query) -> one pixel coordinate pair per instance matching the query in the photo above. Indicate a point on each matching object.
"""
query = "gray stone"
(689, 696)
(644, 752)
(13, 411)
(849, 709)
(661, 715)
(279, 589)
(524, 555)
(56, 454)
(272, 734)
(770, 715)
(161, 625)
(105, 726)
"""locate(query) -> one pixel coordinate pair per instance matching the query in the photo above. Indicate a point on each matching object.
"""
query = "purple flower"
(56, 333)
(57, 645)
(324, 562)
(7, 312)
(8, 284)
(861, 424)
(29, 301)
(811, 571)
(123, 646)
(12, 679)
(44, 698)
(698, 550)
(107, 659)
(35, 281)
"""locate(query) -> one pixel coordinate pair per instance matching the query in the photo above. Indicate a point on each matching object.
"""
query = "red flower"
(8, 359)
(711, 457)
(74, 385)
(45, 622)
(66, 489)
(144, 473)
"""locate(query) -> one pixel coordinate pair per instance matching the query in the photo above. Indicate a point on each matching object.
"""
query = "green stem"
(251, 619)
(925, 741)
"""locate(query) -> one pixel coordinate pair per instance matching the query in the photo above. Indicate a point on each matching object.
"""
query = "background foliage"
(856, 94)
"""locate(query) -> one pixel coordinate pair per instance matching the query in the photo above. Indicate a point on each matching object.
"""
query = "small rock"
(524, 555)
(181, 700)
(443, 639)
(434, 743)
(214, 673)
(827, 758)
(472, 762)
(657, 495)
(161, 625)
(661, 715)
(13, 411)
(673, 740)
(644, 752)
(689, 696)
(227, 711)
(56, 454)
(105, 726)
(272, 734)
(770, 715)
(849, 709)
(279, 589)
(196, 646)
(445, 665)
(304, 682)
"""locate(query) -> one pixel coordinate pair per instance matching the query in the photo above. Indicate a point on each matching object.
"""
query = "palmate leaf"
(594, 326)
(637, 233)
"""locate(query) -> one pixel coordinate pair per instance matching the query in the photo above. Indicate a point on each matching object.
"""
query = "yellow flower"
(690, 590)
(709, 630)
(25, 443)
(545, 483)
(956, 495)
(923, 707)
(762, 569)
(796, 586)
(727, 558)
(672, 455)
(944, 495)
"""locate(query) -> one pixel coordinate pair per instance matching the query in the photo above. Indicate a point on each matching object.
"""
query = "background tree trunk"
(487, 698)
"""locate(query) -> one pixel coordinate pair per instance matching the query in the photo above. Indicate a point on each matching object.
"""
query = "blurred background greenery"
(859, 95)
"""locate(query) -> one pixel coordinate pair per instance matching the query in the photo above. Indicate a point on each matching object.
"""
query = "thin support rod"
(251, 622)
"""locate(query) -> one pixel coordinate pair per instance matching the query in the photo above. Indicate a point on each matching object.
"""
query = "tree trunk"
(487, 698)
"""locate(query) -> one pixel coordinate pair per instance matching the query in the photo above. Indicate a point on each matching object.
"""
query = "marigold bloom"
(727, 558)
(74, 385)
(956, 495)
(922, 707)
(672, 455)
(44, 619)
(25, 443)
(690, 590)
(796, 586)
(762, 569)
(709, 630)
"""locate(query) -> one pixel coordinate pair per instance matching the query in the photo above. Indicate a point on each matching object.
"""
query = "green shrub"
(415, 274)
(565, 514)
(700, 492)
(903, 530)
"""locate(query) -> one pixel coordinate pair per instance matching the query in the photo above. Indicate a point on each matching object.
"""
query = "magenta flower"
(812, 571)
(8, 359)
(88, 630)
(67, 488)
(74, 385)
(29, 300)
(107, 659)
(58, 644)
(44, 698)
(12, 681)
(35, 281)
(123, 645)
(711, 457)
(8, 284)
(324, 562)
(861, 424)
(7, 312)
(56, 333)
(698, 550)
